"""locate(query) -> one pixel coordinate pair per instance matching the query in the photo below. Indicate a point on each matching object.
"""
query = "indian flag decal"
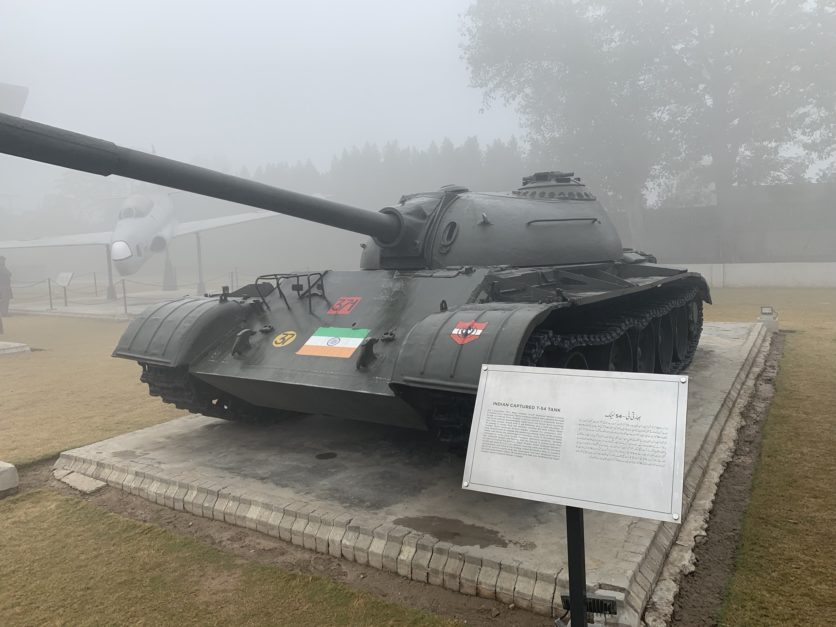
(333, 342)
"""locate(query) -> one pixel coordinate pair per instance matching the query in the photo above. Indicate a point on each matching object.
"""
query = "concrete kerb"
(469, 577)
(348, 541)
(9, 479)
(338, 531)
(507, 581)
(487, 578)
(435, 574)
(379, 537)
(542, 599)
(365, 535)
(311, 529)
(288, 519)
(409, 546)
(326, 524)
(10, 348)
(524, 587)
(297, 530)
(271, 525)
(423, 555)
(453, 568)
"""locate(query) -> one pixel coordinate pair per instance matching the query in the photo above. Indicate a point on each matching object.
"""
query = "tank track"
(179, 388)
(604, 332)
(450, 420)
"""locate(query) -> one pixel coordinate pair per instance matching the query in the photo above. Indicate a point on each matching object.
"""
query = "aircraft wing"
(81, 239)
(184, 228)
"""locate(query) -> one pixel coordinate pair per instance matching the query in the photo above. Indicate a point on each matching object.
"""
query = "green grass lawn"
(70, 392)
(66, 562)
(784, 574)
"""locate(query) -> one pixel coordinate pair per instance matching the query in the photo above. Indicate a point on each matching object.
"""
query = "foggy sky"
(247, 82)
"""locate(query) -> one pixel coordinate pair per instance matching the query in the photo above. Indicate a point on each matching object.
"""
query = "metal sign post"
(49, 287)
(577, 565)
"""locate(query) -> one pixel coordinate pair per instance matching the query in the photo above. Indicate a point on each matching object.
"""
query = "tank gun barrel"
(48, 144)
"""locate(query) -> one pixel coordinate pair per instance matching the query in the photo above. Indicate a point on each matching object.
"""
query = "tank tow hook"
(242, 342)
(367, 354)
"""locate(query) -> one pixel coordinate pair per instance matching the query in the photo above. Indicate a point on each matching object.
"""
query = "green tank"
(450, 280)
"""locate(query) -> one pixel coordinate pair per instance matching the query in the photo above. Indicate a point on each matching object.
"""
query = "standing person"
(5, 288)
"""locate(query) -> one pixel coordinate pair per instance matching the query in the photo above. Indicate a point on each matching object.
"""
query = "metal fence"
(88, 293)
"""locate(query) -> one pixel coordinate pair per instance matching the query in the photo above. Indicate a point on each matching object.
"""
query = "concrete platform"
(392, 498)
(7, 348)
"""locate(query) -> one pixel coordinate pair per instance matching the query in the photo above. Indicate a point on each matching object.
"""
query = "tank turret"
(450, 227)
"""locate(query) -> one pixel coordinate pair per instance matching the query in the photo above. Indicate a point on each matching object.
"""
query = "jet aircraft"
(145, 226)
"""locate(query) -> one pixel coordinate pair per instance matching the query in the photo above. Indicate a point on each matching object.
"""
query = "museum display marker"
(608, 441)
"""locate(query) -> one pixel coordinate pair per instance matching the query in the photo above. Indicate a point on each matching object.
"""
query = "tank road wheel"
(573, 359)
(681, 332)
(644, 343)
(615, 356)
(663, 330)
(694, 318)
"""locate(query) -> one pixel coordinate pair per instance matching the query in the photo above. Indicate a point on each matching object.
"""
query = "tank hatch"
(553, 185)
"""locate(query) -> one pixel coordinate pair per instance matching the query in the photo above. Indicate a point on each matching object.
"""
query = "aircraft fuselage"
(145, 227)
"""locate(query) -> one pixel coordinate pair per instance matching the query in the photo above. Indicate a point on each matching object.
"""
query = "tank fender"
(176, 333)
(446, 350)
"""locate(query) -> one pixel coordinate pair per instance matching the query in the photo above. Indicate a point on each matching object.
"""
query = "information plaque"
(608, 441)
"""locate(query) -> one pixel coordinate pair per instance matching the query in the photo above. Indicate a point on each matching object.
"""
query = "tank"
(450, 280)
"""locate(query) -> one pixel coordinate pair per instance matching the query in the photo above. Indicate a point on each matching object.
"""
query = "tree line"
(373, 176)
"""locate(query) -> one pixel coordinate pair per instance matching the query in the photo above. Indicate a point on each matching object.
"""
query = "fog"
(251, 82)
(678, 114)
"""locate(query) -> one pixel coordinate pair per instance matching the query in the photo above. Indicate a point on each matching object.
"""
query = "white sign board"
(609, 441)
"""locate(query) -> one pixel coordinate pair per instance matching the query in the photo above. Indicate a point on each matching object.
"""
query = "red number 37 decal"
(344, 305)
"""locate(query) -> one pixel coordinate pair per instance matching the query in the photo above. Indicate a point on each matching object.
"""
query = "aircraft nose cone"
(119, 251)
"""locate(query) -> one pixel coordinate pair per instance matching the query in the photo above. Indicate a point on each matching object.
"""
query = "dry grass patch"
(787, 548)
(114, 571)
(70, 393)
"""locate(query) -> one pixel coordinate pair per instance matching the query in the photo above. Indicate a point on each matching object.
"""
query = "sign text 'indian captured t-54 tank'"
(450, 280)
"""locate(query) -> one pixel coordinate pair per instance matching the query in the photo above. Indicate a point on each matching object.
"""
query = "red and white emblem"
(467, 331)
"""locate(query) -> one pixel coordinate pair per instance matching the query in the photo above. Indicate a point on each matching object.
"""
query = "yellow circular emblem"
(284, 338)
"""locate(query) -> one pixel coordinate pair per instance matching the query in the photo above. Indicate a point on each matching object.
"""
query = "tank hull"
(382, 345)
